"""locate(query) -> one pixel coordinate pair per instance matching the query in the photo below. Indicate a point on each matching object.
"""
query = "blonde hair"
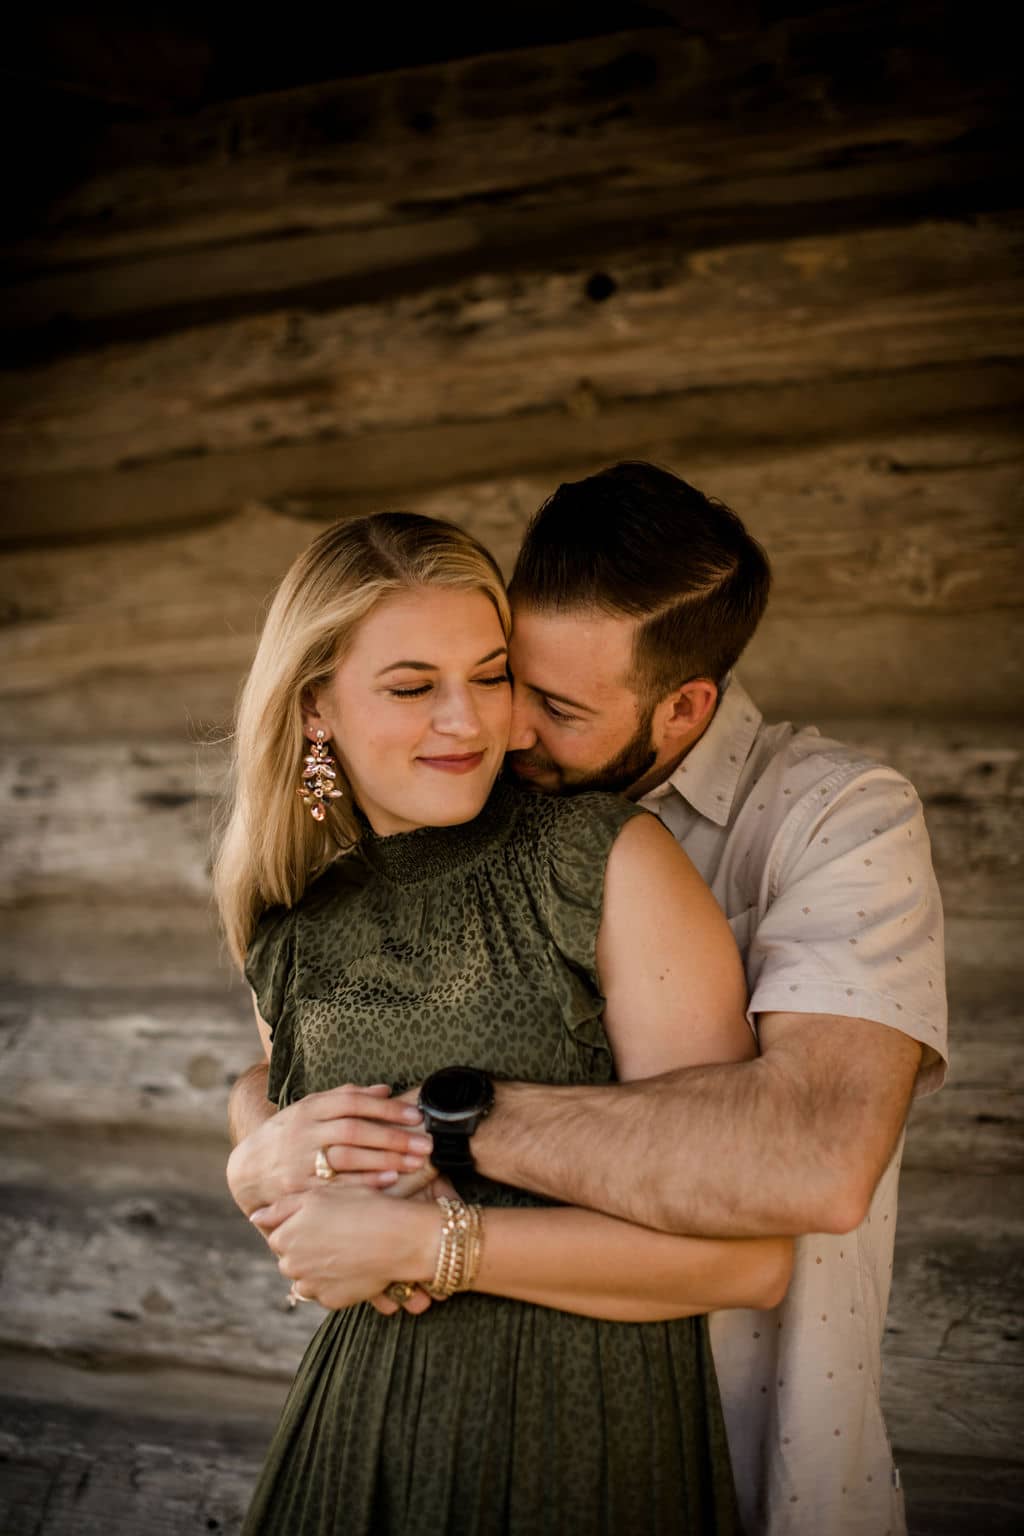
(271, 847)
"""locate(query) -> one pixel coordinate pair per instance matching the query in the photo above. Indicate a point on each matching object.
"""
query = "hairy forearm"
(580, 1261)
(732, 1150)
(248, 1105)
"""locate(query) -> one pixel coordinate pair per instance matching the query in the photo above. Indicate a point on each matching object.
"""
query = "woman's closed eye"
(416, 691)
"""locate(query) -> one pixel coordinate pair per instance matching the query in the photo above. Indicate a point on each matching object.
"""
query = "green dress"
(474, 945)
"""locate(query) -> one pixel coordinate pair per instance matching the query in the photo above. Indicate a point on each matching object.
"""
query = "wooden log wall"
(795, 282)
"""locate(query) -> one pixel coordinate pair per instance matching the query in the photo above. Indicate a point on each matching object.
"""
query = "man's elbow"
(841, 1205)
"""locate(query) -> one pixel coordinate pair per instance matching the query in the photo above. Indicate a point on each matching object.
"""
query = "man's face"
(576, 722)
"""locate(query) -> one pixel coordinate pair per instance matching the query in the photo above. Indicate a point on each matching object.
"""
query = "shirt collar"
(709, 773)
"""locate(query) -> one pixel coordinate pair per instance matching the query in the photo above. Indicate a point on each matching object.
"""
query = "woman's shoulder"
(590, 817)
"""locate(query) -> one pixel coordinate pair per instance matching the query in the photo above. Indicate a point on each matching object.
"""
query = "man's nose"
(522, 735)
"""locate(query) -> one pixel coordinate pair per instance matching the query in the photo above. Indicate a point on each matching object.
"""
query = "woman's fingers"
(269, 1217)
(358, 1145)
(373, 1103)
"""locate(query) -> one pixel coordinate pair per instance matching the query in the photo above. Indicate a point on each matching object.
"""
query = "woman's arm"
(675, 994)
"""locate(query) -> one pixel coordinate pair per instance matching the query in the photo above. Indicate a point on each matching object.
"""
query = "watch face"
(456, 1090)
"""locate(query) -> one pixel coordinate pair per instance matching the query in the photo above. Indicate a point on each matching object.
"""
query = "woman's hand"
(344, 1245)
(369, 1139)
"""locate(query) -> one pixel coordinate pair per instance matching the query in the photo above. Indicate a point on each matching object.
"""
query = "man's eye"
(557, 714)
(409, 693)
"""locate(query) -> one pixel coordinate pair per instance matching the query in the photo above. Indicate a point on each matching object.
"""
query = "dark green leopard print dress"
(474, 944)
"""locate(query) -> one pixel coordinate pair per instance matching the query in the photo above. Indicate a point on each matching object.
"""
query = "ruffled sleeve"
(573, 849)
(270, 971)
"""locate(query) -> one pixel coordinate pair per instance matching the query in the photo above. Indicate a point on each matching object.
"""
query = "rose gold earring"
(319, 774)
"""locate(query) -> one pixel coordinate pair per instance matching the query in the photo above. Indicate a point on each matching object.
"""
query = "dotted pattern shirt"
(820, 859)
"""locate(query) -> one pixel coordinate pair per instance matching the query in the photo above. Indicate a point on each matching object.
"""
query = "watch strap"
(452, 1151)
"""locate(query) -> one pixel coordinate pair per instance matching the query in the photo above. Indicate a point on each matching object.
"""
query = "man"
(634, 596)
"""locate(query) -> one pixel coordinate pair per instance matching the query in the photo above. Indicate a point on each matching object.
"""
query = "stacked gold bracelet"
(458, 1257)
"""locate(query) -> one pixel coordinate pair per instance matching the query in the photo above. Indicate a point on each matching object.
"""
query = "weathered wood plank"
(493, 153)
(953, 1407)
(162, 1061)
(159, 1277)
(67, 1473)
(961, 1495)
(907, 585)
(871, 301)
(141, 819)
(977, 1121)
(176, 1278)
(958, 1277)
(158, 1062)
(70, 1473)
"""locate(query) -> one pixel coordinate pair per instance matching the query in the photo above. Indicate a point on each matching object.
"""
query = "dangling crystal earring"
(318, 778)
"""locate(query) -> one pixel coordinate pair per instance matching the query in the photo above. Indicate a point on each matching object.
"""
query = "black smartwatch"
(454, 1101)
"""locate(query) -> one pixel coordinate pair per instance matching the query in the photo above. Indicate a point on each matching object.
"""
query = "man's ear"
(689, 709)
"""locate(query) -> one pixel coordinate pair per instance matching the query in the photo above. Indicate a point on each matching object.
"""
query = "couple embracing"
(592, 1008)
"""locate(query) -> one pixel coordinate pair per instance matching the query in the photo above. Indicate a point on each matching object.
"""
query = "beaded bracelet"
(458, 1256)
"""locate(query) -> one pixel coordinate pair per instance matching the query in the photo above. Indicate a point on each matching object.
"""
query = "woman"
(427, 914)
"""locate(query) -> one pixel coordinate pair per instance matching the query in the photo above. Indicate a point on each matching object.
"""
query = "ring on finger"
(400, 1290)
(321, 1166)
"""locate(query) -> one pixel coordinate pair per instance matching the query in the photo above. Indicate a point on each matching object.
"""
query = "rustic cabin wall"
(796, 283)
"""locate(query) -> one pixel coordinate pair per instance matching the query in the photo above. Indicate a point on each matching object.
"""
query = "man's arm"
(794, 1141)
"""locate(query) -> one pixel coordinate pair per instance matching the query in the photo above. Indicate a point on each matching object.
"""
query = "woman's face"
(418, 711)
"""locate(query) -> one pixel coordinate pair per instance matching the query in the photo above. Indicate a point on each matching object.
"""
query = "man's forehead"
(583, 644)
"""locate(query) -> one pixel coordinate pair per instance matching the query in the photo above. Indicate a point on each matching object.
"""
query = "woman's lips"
(463, 764)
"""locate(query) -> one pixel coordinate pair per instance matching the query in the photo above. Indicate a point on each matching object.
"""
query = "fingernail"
(420, 1144)
(257, 1216)
(387, 1177)
(412, 1162)
(410, 1112)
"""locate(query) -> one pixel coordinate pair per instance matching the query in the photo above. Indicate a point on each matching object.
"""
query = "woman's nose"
(456, 713)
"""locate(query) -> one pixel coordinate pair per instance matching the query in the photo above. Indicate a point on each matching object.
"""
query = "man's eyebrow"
(430, 666)
(560, 698)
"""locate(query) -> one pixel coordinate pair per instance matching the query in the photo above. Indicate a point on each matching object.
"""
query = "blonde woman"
(405, 912)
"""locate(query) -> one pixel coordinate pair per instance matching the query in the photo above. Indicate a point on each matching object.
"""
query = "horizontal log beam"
(767, 316)
(141, 819)
(499, 154)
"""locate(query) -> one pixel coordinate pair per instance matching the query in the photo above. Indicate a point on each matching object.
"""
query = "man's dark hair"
(635, 540)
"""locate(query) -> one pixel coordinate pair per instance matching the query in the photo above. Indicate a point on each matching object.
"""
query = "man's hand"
(369, 1139)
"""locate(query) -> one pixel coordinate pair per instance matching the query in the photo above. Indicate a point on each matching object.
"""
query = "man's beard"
(615, 776)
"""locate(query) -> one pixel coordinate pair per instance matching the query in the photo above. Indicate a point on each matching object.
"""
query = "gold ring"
(295, 1295)
(400, 1290)
(321, 1166)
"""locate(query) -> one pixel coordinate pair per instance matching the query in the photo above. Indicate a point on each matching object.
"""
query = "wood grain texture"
(141, 818)
(497, 348)
(896, 564)
(465, 160)
(175, 1280)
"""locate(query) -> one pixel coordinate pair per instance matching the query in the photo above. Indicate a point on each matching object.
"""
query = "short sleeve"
(578, 845)
(270, 971)
(853, 924)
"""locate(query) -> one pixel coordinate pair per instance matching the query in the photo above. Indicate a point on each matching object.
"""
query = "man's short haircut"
(637, 541)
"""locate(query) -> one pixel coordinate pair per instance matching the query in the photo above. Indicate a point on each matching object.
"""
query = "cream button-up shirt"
(820, 859)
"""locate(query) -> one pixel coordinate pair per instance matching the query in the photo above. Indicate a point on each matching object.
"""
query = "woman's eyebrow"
(430, 666)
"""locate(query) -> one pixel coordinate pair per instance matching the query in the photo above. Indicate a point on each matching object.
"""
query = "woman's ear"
(312, 720)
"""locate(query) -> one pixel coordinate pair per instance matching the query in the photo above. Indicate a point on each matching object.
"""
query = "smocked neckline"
(429, 852)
